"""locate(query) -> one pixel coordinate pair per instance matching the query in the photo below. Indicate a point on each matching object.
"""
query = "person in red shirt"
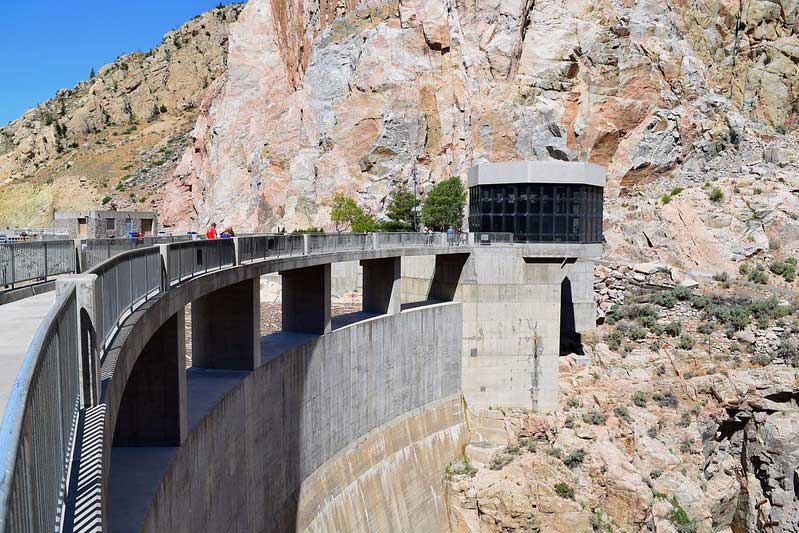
(211, 233)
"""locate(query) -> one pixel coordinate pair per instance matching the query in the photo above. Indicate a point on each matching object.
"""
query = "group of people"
(211, 232)
(453, 237)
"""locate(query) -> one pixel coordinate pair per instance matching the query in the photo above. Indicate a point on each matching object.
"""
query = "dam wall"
(325, 423)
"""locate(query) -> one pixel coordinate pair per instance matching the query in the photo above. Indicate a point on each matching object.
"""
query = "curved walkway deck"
(18, 324)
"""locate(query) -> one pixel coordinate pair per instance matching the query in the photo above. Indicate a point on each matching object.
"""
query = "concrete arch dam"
(333, 423)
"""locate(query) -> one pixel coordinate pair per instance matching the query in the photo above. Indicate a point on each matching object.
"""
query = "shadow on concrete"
(422, 303)
(570, 340)
(346, 319)
(136, 471)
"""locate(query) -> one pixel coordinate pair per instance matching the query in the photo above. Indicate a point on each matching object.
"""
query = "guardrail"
(95, 251)
(487, 238)
(187, 259)
(38, 427)
(258, 247)
(123, 283)
(39, 424)
(32, 261)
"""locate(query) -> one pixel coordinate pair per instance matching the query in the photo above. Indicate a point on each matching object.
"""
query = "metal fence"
(257, 247)
(486, 238)
(123, 283)
(95, 251)
(188, 259)
(39, 423)
(400, 239)
(32, 261)
(332, 242)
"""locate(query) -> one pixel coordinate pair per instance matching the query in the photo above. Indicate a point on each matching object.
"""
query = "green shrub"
(686, 342)
(665, 299)
(564, 491)
(569, 422)
(652, 432)
(656, 473)
(460, 467)
(758, 275)
(685, 420)
(623, 413)
(106, 199)
(575, 458)
(686, 446)
(758, 190)
(716, 195)
(682, 522)
(673, 328)
(683, 293)
(788, 351)
(527, 444)
(630, 312)
(500, 461)
(640, 399)
(665, 399)
(573, 402)
(554, 451)
(700, 302)
(785, 268)
(665, 199)
(705, 328)
(594, 417)
(676, 190)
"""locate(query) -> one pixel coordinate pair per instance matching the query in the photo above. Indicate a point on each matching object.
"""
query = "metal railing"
(38, 427)
(400, 239)
(258, 247)
(95, 251)
(486, 238)
(332, 242)
(39, 424)
(32, 261)
(187, 259)
(123, 283)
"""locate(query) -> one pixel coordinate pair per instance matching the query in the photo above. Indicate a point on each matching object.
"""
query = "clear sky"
(47, 45)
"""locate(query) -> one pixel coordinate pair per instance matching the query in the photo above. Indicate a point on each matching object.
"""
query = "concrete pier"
(153, 407)
(306, 300)
(382, 285)
(226, 328)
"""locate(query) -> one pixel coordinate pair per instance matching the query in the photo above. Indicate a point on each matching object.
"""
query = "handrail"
(33, 474)
(29, 261)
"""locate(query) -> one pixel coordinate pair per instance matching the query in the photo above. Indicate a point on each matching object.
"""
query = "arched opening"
(570, 339)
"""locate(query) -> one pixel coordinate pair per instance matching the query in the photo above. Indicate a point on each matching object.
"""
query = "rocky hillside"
(680, 416)
(352, 96)
(116, 138)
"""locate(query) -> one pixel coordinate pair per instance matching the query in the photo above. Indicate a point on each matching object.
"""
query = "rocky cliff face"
(116, 135)
(351, 97)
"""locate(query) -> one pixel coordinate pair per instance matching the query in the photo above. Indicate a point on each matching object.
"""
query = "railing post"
(306, 244)
(89, 355)
(236, 252)
(13, 265)
(166, 268)
(44, 245)
(78, 258)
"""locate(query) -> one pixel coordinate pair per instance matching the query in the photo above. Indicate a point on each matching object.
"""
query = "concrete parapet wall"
(242, 468)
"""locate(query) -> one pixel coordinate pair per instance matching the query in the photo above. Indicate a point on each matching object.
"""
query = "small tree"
(444, 205)
(91, 74)
(401, 208)
(343, 210)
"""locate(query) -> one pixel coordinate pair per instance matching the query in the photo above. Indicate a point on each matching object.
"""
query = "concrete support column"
(579, 277)
(153, 407)
(382, 285)
(446, 276)
(226, 327)
(88, 305)
(306, 299)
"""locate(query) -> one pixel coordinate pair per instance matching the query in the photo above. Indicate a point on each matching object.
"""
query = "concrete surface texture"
(18, 323)
(390, 480)
(537, 172)
(297, 411)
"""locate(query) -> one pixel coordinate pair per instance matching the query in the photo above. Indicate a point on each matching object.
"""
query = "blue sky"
(47, 45)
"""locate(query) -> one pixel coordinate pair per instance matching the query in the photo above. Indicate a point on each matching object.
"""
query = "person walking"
(451, 236)
(210, 234)
(228, 233)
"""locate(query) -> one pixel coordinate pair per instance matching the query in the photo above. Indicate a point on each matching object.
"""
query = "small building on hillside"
(538, 201)
(95, 224)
